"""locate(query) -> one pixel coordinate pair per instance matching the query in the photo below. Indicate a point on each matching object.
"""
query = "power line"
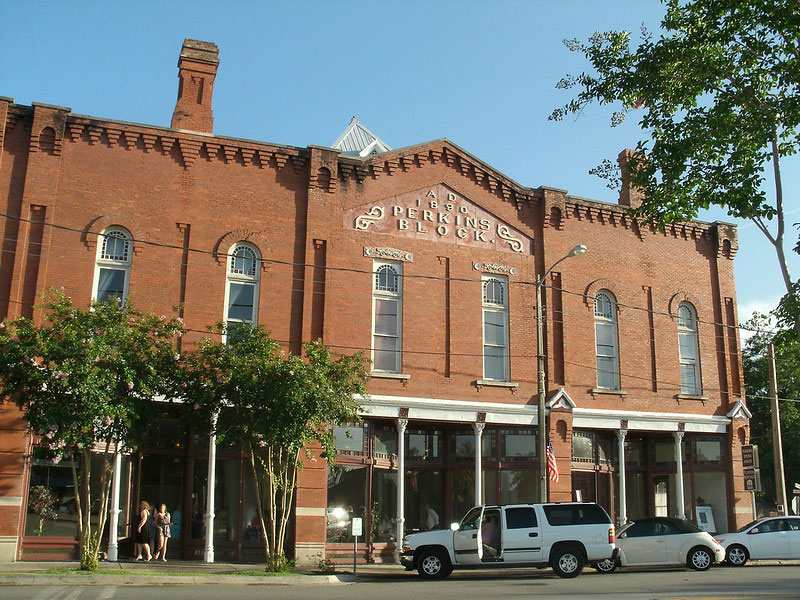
(369, 272)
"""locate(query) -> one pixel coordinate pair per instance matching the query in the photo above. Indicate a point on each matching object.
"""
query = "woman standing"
(144, 536)
(163, 522)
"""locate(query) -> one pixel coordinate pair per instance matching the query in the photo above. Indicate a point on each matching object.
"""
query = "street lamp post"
(542, 437)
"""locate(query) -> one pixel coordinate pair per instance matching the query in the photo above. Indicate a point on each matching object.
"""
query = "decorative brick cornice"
(190, 146)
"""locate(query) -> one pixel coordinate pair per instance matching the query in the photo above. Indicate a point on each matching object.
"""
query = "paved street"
(721, 583)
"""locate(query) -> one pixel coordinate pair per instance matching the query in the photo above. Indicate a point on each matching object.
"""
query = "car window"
(744, 527)
(665, 528)
(470, 521)
(520, 518)
(642, 529)
(794, 524)
(782, 525)
(684, 526)
(575, 514)
(770, 526)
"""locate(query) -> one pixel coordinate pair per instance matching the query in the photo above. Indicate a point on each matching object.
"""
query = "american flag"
(552, 466)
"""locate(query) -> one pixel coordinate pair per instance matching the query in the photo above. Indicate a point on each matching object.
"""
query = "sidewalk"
(177, 573)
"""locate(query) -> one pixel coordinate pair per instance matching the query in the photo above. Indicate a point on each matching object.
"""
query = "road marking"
(106, 593)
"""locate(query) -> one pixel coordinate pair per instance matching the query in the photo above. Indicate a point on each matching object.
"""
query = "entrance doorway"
(661, 496)
(161, 482)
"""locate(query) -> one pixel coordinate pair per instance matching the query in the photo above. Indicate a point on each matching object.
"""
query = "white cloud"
(746, 310)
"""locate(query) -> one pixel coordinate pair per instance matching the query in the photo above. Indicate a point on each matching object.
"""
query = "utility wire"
(369, 272)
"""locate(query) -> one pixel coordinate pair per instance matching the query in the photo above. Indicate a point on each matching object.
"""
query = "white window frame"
(696, 389)
(233, 276)
(123, 263)
(501, 308)
(382, 294)
(607, 320)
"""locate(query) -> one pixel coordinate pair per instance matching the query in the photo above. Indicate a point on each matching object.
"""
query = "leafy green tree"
(719, 97)
(247, 391)
(756, 377)
(85, 381)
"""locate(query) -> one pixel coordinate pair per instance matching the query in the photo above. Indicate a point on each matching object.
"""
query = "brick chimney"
(628, 195)
(197, 68)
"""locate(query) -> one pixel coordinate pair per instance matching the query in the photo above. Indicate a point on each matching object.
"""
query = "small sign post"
(357, 530)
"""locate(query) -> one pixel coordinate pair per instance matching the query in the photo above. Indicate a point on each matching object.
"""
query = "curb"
(146, 580)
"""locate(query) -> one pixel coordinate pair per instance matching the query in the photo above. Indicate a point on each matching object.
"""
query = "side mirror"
(454, 526)
(753, 530)
(622, 536)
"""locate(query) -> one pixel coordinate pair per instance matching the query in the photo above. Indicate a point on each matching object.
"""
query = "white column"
(401, 486)
(622, 492)
(478, 427)
(113, 509)
(678, 435)
(208, 554)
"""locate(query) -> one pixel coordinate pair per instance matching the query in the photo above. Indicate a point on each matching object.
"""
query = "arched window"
(241, 286)
(113, 265)
(688, 349)
(605, 335)
(386, 279)
(495, 329)
(387, 317)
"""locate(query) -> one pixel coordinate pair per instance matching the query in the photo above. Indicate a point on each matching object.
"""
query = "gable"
(439, 214)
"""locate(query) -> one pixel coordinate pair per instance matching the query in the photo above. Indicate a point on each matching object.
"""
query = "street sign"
(750, 456)
(752, 479)
(358, 529)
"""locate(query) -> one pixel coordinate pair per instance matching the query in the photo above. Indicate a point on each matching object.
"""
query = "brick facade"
(187, 189)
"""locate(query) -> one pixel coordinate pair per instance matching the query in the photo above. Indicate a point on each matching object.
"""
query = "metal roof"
(359, 141)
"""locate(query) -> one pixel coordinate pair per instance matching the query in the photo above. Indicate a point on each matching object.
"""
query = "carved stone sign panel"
(439, 214)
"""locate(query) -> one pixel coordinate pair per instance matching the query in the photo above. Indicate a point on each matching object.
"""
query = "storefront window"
(708, 450)
(51, 498)
(582, 447)
(385, 441)
(518, 486)
(463, 491)
(604, 452)
(424, 489)
(518, 444)
(422, 444)
(711, 502)
(634, 452)
(384, 505)
(252, 531)
(226, 498)
(462, 445)
(197, 525)
(346, 496)
(349, 439)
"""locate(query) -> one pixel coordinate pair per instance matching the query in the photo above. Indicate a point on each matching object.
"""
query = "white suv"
(564, 536)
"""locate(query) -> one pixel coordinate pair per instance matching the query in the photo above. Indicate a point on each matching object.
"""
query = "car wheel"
(700, 559)
(737, 556)
(608, 565)
(567, 561)
(434, 564)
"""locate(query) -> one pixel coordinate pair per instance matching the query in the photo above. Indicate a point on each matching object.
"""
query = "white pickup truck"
(562, 535)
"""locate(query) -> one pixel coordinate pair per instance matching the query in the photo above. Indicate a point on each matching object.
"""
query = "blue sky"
(481, 73)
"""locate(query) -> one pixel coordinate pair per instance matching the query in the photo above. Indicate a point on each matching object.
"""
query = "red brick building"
(426, 257)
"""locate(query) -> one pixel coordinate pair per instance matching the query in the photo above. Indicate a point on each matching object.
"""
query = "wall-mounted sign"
(439, 214)
(750, 456)
(493, 268)
(392, 253)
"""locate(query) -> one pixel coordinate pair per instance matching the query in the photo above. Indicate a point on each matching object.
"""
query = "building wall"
(196, 194)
